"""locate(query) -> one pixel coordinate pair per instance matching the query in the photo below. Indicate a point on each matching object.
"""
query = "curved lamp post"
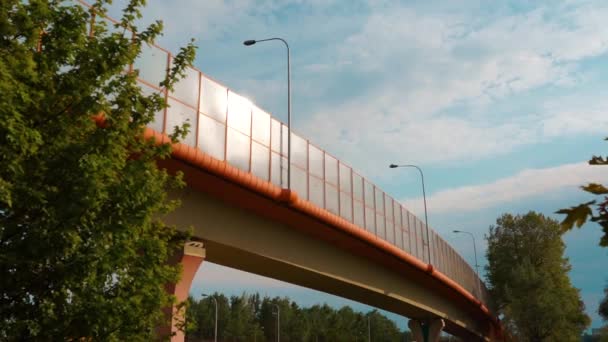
(252, 42)
(369, 329)
(426, 218)
(475, 252)
(214, 301)
(474, 248)
(278, 322)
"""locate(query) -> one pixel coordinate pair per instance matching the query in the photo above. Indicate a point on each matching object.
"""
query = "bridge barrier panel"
(238, 149)
(299, 181)
(152, 65)
(346, 206)
(260, 160)
(159, 117)
(186, 90)
(212, 137)
(399, 236)
(214, 100)
(179, 114)
(389, 226)
(299, 152)
(260, 126)
(331, 198)
(316, 193)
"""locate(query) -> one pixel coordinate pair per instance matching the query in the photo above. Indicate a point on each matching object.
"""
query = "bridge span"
(333, 231)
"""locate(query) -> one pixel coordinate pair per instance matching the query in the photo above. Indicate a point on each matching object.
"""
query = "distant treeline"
(253, 318)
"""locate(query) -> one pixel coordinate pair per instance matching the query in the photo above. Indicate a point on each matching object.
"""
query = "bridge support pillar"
(191, 257)
(426, 330)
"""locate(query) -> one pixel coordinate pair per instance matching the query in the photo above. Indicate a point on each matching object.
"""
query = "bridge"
(333, 231)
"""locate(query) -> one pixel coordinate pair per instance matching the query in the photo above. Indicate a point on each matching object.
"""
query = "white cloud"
(369, 140)
(432, 80)
(572, 120)
(523, 185)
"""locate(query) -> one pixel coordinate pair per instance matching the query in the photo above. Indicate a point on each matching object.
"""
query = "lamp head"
(205, 295)
(392, 166)
(249, 42)
(456, 231)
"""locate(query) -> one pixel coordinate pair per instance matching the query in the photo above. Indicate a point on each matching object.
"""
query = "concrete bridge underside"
(246, 231)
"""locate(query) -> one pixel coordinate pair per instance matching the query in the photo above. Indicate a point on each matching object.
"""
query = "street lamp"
(251, 42)
(426, 218)
(369, 329)
(215, 301)
(475, 252)
(252, 306)
(278, 322)
(474, 248)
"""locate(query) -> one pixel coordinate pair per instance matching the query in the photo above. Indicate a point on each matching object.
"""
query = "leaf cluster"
(579, 214)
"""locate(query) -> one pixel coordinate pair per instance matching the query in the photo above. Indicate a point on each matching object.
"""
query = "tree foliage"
(603, 309)
(528, 277)
(251, 318)
(82, 253)
(579, 214)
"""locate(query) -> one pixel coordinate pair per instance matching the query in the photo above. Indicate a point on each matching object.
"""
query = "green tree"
(528, 277)
(347, 325)
(82, 251)
(242, 323)
(382, 328)
(319, 318)
(290, 323)
(293, 322)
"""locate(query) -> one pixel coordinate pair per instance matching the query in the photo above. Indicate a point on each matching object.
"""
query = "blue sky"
(501, 103)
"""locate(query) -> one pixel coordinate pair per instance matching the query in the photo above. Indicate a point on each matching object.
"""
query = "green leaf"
(596, 189)
(597, 160)
(576, 215)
